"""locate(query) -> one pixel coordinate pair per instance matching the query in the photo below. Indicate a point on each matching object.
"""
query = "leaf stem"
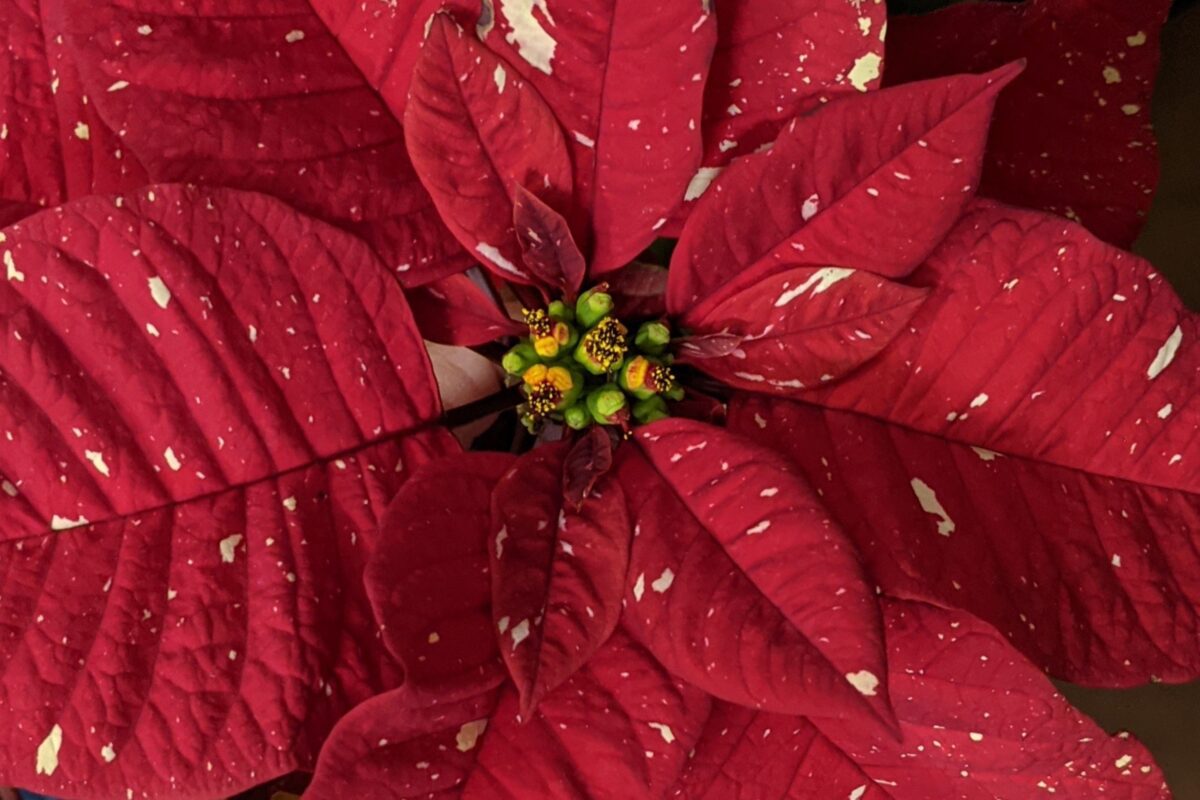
(478, 409)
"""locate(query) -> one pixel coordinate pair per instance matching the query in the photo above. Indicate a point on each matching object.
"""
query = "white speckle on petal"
(985, 454)
(496, 257)
(1116, 560)
(289, 503)
(979, 401)
(1112, 74)
(1165, 411)
(865, 682)
(930, 505)
(975, 736)
(145, 30)
(520, 633)
(664, 731)
(107, 753)
(159, 291)
(82, 131)
(97, 460)
(810, 207)
(700, 182)
(865, 70)
(47, 752)
(1123, 761)
(294, 36)
(58, 523)
(10, 267)
(759, 528)
(639, 587)
(468, 735)
(1166, 353)
(664, 581)
(534, 43)
(822, 279)
(500, 77)
(171, 459)
(500, 537)
(586, 141)
(858, 792)
(228, 547)
(117, 86)
(1137, 40)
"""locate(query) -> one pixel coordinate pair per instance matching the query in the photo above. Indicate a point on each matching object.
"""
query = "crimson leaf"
(557, 571)
(203, 398)
(804, 327)
(740, 583)
(868, 181)
(1030, 434)
(472, 130)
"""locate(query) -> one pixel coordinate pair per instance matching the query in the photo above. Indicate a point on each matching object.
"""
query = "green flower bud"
(608, 405)
(652, 337)
(593, 305)
(519, 359)
(577, 416)
(651, 409)
(558, 310)
(602, 349)
(675, 393)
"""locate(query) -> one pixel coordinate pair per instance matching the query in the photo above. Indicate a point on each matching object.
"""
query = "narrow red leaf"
(473, 129)
(755, 85)
(1092, 155)
(1001, 731)
(455, 310)
(805, 327)
(395, 747)
(263, 100)
(757, 755)
(557, 573)
(740, 583)
(626, 81)
(589, 459)
(870, 182)
(204, 419)
(621, 727)
(428, 579)
(548, 249)
(1032, 428)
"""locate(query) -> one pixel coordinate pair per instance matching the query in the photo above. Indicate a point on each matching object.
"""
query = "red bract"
(557, 572)
(204, 421)
(139, 92)
(210, 396)
(1031, 429)
(1091, 155)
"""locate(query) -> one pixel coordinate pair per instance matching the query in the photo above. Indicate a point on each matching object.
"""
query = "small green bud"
(519, 359)
(608, 405)
(651, 409)
(652, 337)
(560, 311)
(593, 305)
(577, 416)
(675, 393)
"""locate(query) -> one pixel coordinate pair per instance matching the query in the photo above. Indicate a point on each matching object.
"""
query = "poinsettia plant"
(808, 513)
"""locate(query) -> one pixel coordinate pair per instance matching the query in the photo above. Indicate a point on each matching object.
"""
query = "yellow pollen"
(636, 373)
(662, 378)
(605, 343)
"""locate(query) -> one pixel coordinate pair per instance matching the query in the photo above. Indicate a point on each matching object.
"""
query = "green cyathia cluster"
(581, 367)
